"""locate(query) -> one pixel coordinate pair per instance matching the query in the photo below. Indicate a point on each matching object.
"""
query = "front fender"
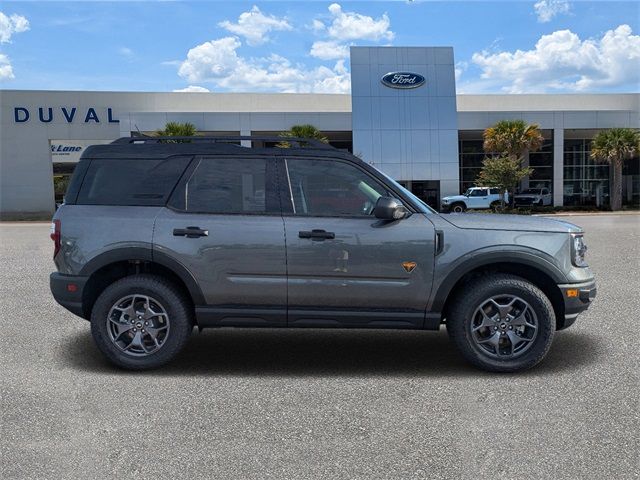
(454, 271)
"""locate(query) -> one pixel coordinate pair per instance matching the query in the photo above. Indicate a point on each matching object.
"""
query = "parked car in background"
(533, 196)
(477, 198)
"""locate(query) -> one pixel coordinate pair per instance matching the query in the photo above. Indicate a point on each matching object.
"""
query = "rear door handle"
(190, 232)
(317, 234)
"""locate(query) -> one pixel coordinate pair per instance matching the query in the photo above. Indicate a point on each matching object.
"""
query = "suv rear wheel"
(502, 323)
(141, 322)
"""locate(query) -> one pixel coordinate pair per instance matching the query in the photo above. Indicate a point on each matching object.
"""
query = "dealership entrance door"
(426, 190)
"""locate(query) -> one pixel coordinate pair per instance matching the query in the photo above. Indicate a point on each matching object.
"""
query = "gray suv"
(158, 235)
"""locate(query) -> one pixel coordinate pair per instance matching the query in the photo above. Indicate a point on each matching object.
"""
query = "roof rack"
(295, 141)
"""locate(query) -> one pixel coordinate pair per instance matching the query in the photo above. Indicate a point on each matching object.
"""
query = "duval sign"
(402, 80)
(67, 114)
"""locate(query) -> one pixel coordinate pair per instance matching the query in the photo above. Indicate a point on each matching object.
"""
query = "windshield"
(476, 192)
(531, 191)
(426, 208)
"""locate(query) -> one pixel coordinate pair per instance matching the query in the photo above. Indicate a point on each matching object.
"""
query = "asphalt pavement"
(318, 403)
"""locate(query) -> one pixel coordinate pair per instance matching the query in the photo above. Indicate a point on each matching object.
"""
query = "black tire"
(179, 318)
(465, 311)
(458, 207)
(496, 206)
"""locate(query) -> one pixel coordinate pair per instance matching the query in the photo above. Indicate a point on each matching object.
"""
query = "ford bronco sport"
(157, 236)
(475, 198)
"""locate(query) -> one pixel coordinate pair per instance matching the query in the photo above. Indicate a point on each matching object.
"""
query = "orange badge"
(409, 266)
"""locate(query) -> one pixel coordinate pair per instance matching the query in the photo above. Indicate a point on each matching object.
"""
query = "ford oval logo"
(402, 80)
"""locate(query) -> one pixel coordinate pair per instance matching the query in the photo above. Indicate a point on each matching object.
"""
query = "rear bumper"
(577, 298)
(67, 291)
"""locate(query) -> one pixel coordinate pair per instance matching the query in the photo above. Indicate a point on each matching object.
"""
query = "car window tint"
(478, 193)
(329, 188)
(224, 185)
(494, 191)
(131, 182)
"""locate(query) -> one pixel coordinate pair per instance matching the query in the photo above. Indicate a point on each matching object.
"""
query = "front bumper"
(577, 298)
(67, 291)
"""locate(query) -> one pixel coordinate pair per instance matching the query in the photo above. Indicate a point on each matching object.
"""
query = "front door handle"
(317, 234)
(190, 232)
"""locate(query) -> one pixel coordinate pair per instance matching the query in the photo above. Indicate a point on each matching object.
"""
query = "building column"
(245, 143)
(558, 167)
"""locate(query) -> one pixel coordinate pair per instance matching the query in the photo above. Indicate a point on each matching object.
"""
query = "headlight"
(445, 200)
(578, 250)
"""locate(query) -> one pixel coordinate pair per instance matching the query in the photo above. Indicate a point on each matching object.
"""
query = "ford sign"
(402, 80)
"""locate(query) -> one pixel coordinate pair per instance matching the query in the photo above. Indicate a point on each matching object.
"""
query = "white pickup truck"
(476, 198)
(533, 196)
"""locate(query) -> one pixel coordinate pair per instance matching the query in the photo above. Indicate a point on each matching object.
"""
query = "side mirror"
(388, 208)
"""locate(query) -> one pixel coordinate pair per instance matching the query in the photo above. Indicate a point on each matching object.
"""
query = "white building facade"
(403, 116)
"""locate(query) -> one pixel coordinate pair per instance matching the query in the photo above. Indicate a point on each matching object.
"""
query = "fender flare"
(538, 260)
(146, 254)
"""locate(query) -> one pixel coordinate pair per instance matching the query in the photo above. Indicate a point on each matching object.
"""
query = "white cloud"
(193, 88)
(10, 25)
(355, 26)
(562, 61)
(329, 50)
(218, 62)
(317, 25)
(254, 25)
(211, 60)
(6, 70)
(345, 26)
(547, 9)
(126, 52)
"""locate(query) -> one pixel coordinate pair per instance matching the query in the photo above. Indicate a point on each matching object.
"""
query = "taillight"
(55, 236)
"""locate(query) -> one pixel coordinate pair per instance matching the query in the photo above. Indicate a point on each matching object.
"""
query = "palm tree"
(614, 147)
(176, 129)
(512, 140)
(302, 131)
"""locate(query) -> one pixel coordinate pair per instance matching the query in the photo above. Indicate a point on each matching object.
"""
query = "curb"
(584, 214)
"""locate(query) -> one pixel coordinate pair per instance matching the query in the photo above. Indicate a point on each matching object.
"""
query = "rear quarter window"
(143, 182)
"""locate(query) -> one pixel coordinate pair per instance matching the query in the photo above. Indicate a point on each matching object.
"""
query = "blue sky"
(508, 46)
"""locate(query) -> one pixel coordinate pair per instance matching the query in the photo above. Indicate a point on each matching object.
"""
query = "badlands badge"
(409, 266)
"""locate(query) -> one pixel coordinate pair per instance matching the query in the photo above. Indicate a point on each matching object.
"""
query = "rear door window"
(144, 182)
(229, 185)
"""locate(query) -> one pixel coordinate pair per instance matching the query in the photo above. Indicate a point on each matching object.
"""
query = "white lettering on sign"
(70, 151)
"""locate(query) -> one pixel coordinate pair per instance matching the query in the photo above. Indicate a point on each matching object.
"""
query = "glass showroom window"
(542, 164)
(586, 182)
(471, 156)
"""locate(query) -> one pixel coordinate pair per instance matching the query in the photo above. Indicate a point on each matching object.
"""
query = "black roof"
(154, 147)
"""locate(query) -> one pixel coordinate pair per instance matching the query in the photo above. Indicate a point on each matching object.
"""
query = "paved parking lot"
(318, 404)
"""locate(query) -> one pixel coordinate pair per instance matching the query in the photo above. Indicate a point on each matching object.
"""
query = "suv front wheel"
(501, 323)
(141, 322)
(458, 207)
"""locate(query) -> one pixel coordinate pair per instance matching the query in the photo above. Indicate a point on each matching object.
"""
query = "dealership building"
(403, 116)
